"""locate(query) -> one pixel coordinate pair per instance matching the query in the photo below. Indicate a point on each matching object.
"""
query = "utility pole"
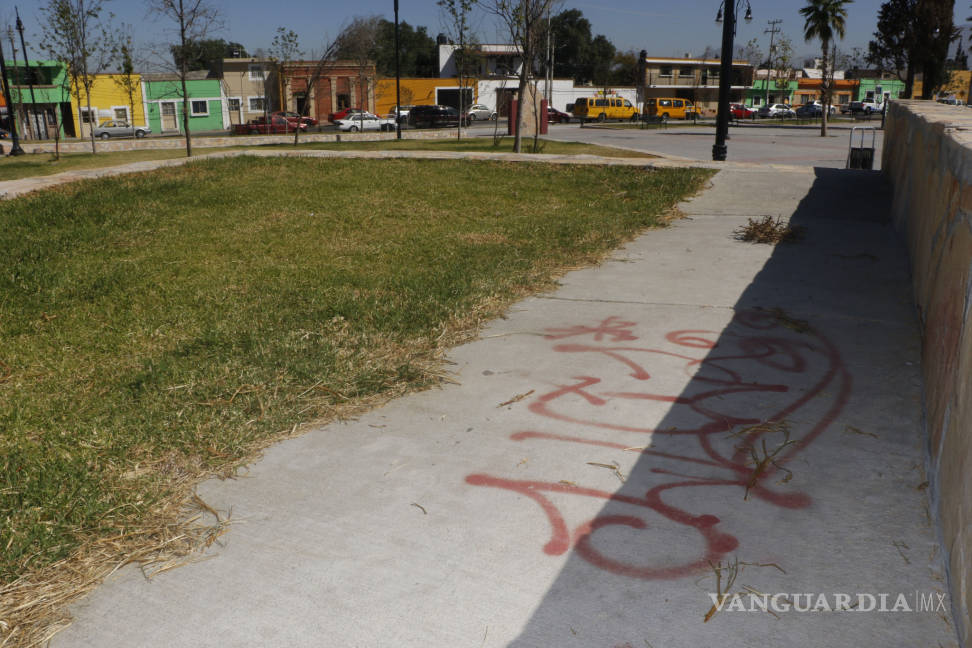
(31, 123)
(15, 148)
(772, 31)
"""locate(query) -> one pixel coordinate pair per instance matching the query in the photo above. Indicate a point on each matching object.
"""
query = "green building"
(874, 88)
(163, 102)
(756, 95)
(48, 110)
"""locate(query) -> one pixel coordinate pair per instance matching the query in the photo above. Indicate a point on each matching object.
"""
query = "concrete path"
(605, 446)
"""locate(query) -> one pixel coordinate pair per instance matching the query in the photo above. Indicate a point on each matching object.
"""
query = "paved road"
(801, 146)
(602, 445)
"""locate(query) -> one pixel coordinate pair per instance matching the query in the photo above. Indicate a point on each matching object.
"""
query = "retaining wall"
(928, 157)
(219, 141)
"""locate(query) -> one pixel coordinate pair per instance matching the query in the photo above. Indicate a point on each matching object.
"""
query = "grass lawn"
(41, 164)
(161, 327)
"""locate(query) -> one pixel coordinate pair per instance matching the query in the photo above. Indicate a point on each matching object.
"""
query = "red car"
(555, 116)
(739, 111)
(260, 126)
(294, 117)
(343, 114)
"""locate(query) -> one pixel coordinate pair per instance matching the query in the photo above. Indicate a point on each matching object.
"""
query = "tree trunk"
(824, 93)
(91, 123)
(185, 111)
(182, 78)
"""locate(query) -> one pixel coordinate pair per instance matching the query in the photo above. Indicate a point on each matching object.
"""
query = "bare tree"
(323, 64)
(523, 20)
(75, 31)
(356, 42)
(195, 20)
(128, 81)
(457, 19)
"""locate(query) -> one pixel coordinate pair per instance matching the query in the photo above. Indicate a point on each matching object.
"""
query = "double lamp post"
(719, 149)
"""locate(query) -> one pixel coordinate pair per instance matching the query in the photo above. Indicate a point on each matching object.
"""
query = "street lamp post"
(719, 149)
(398, 83)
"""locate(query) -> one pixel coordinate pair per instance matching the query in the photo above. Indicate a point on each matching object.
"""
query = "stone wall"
(219, 141)
(928, 157)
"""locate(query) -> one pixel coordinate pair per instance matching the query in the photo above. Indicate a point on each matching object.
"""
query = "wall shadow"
(738, 462)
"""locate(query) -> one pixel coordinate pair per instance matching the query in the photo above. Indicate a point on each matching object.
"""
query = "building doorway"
(168, 111)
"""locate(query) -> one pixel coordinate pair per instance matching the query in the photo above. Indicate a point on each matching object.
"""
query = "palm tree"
(825, 19)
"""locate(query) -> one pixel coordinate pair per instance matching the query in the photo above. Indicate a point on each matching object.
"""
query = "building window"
(713, 73)
(343, 101)
(685, 71)
(256, 104)
(757, 101)
(257, 73)
(88, 116)
(121, 114)
(233, 104)
(665, 71)
(198, 107)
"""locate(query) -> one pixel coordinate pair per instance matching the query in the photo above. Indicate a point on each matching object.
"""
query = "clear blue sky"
(662, 28)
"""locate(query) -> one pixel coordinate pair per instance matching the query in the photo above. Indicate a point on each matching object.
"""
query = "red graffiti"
(719, 435)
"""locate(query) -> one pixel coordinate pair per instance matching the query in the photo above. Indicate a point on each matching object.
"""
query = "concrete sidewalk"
(605, 445)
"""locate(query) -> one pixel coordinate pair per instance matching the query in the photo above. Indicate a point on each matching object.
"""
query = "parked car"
(776, 110)
(400, 112)
(951, 101)
(4, 134)
(260, 126)
(434, 116)
(479, 111)
(342, 114)
(813, 109)
(365, 121)
(665, 108)
(292, 116)
(120, 128)
(555, 116)
(866, 107)
(739, 111)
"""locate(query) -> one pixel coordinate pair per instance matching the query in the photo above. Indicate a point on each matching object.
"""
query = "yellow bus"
(604, 108)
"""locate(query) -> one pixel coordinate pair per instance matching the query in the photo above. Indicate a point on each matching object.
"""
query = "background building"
(252, 88)
(695, 79)
(163, 102)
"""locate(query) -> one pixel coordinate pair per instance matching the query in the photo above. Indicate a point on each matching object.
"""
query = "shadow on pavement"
(789, 447)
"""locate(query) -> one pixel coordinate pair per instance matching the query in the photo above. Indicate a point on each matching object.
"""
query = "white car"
(365, 122)
(776, 110)
(479, 111)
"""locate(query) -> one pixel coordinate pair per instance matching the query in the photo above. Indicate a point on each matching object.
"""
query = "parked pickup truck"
(260, 126)
(866, 107)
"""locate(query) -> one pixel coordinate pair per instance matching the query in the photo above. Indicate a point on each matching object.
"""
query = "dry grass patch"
(768, 230)
(163, 328)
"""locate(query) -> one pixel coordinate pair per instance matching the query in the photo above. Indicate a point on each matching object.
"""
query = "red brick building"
(340, 84)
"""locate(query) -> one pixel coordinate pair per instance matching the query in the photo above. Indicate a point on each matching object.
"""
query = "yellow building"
(957, 86)
(420, 92)
(110, 100)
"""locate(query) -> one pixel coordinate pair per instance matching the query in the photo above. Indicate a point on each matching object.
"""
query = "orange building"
(808, 90)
